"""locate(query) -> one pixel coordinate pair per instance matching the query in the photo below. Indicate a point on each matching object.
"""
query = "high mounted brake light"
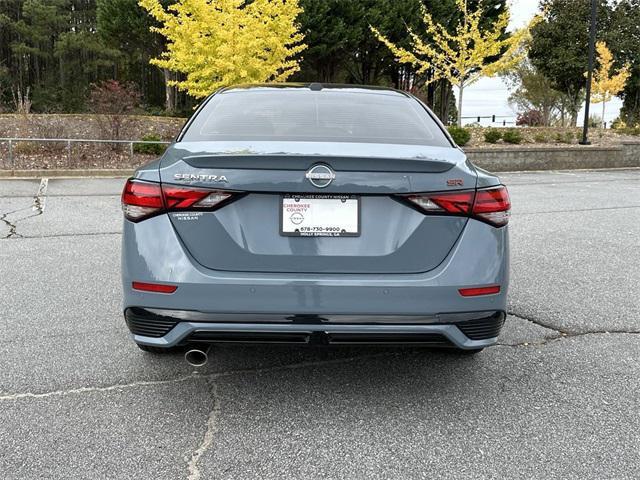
(490, 205)
(141, 200)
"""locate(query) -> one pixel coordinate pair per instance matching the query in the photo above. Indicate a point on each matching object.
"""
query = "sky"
(489, 96)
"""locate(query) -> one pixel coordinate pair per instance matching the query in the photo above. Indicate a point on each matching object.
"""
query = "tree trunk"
(604, 103)
(445, 91)
(546, 116)
(461, 90)
(431, 96)
(169, 92)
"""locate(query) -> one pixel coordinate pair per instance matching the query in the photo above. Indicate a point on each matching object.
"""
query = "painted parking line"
(39, 201)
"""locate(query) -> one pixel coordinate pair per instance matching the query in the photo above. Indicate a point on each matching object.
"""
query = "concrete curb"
(105, 173)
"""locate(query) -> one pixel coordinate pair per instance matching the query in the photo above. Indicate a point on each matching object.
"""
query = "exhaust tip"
(196, 357)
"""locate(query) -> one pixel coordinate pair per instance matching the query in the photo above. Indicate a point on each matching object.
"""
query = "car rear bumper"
(305, 308)
(152, 252)
(168, 328)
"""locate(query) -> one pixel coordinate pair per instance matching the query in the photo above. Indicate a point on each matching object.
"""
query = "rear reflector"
(153, 287)
(477, 291)
(490, 205)
(142, 200)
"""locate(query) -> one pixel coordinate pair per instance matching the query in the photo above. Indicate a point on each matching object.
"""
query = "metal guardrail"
(69, 141)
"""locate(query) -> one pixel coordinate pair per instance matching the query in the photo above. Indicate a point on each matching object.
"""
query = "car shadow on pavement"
(380, 364)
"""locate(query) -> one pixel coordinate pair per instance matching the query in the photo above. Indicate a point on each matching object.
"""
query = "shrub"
(115, 101)
(530, 118)
(541, 138)
(618, 123)
(150, 148)
(492, 135)
(512, 136)
(629, 131)
(566, 137)
(460, 135)
(595, 121)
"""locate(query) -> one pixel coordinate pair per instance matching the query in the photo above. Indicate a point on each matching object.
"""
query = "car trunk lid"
(246, 235)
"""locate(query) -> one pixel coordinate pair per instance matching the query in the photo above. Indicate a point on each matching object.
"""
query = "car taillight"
(446, 202)
(142, 200)
(181, 198)
(491, 205)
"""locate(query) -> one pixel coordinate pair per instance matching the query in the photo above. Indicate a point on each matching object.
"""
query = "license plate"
(320, 216)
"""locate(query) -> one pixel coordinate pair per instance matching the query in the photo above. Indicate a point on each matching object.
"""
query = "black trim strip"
(303, 162)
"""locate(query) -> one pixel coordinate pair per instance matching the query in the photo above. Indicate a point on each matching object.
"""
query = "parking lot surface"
(559, 397)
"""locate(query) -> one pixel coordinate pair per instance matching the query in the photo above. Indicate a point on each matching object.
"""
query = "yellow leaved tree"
(216, 43)
(605, 86)
(464, 56)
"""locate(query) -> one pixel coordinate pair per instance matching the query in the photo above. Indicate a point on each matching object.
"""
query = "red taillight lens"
(153, 287)
(477, 291)
(493, 205)
(142, 200)
(446, 202)
(490, 205)
(180, 198)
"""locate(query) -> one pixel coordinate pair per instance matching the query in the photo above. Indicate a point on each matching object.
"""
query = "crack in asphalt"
(293, 366)
(539, 323)
(564, 336)
(560, 334)
(56, 235)
(207, 439)
(38, 207)
(120, 386)
(191, 376)
(12, 227)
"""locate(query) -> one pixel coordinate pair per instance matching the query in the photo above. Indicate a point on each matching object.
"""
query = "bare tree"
(114, 101)
(22, 101)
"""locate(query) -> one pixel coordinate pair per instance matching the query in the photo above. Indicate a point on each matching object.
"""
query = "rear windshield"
(315, 116)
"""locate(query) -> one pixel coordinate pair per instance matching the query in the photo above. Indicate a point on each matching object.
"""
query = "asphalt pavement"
(559, 397)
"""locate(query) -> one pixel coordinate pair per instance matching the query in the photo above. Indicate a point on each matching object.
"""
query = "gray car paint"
(394, 238)
(480, 257)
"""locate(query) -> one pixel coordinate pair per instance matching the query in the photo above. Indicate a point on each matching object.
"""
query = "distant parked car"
(309, 213)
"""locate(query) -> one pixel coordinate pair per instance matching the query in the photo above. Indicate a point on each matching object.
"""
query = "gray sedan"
(314, 213)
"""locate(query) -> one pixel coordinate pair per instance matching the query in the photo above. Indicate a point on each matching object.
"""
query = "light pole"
(592, 47)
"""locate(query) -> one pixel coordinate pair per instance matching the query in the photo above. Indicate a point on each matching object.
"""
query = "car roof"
(316, 87)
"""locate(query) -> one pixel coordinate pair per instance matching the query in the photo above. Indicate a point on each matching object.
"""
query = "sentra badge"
(191, 177)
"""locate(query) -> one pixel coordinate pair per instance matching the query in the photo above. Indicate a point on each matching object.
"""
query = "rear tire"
(155, 350)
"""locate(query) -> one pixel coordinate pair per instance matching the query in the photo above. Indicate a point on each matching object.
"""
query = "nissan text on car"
(314, 214)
